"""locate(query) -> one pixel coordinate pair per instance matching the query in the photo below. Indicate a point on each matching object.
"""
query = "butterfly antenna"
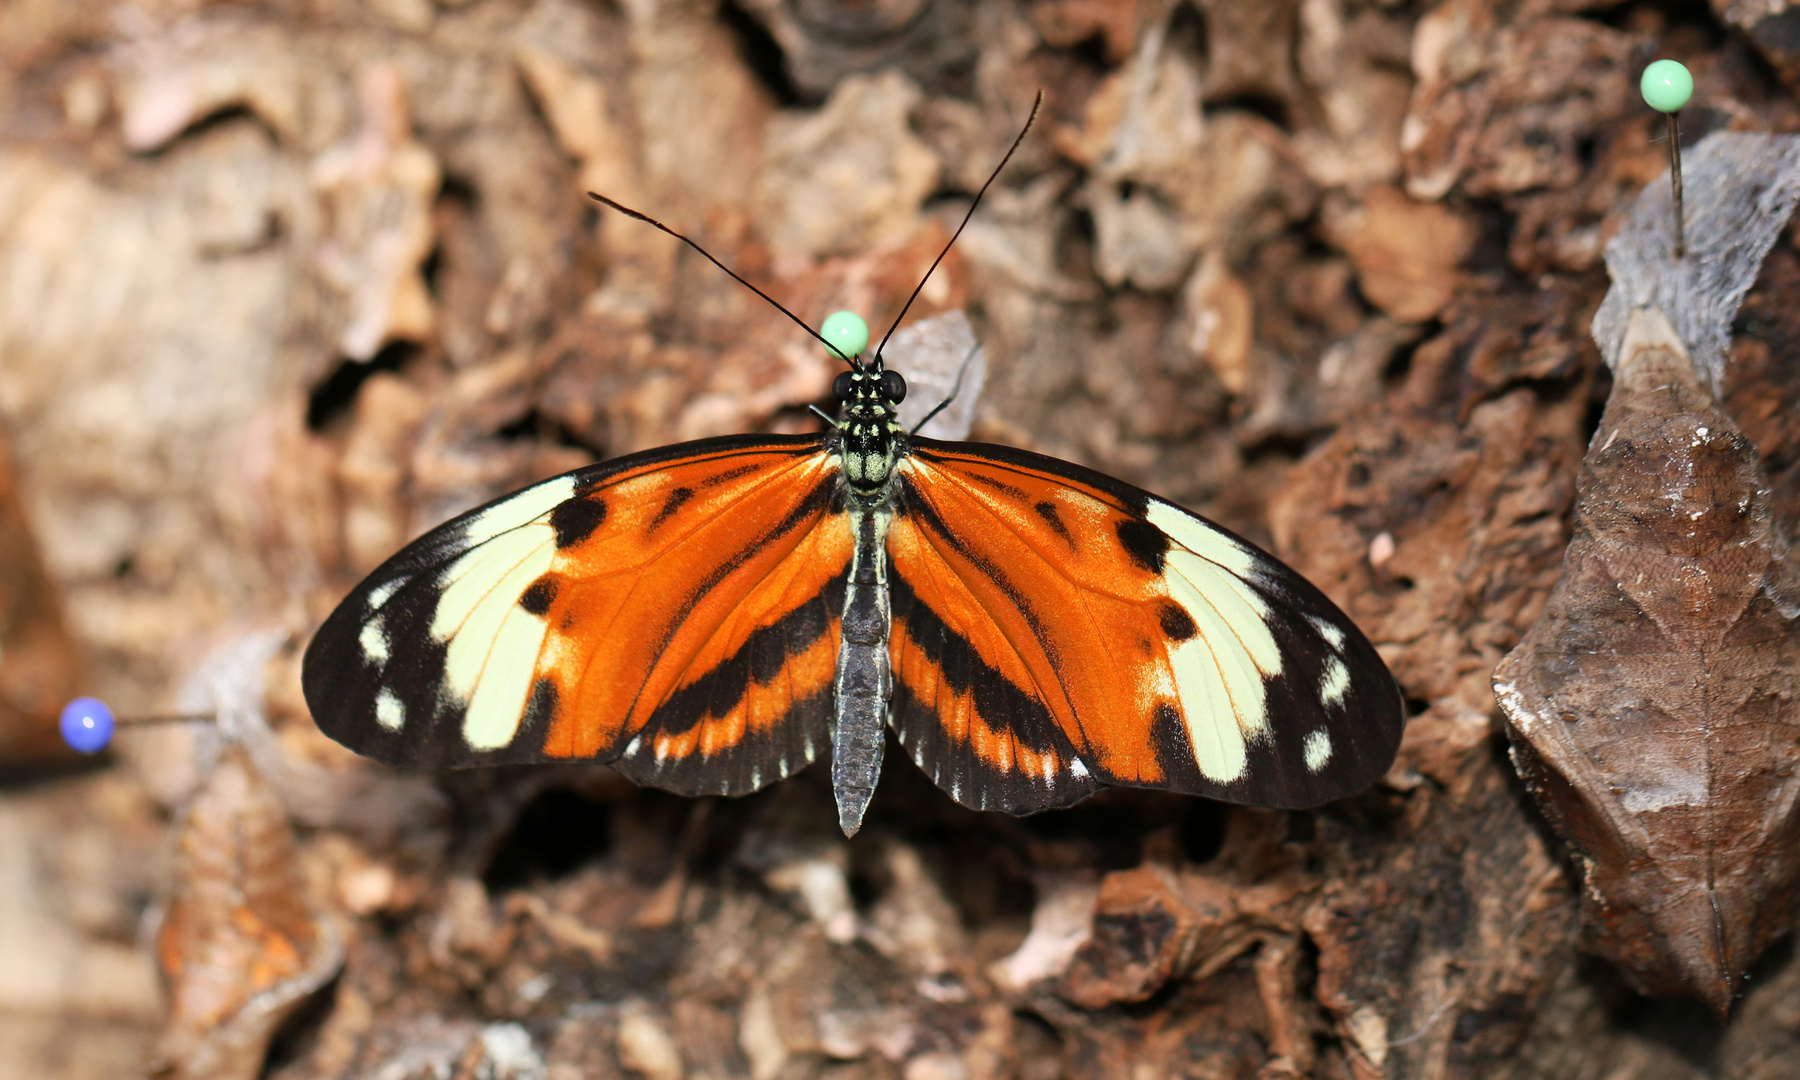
(995, 175)
(798, 321)
(955, 389)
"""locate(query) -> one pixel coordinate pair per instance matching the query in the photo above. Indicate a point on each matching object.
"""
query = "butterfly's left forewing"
(1056, 630)
(674, 613)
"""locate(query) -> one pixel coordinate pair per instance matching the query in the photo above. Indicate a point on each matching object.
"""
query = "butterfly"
(711, 617)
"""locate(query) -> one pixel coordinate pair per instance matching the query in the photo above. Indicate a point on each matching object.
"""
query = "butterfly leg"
(864, 676)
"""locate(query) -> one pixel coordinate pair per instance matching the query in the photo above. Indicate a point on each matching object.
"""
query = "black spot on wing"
(988, 480)
(765, 652)
(576, 520)
(676, 500)
(540, 712)
(342, 684)
(726, 476)
(1177, 624)
(1053, 518)
(540, 595)
(1144, 544)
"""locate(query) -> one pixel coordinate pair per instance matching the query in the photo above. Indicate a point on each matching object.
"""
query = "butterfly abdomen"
(864, 672)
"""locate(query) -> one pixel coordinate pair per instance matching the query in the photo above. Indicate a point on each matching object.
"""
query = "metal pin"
(1675, 182)
(1667, 86)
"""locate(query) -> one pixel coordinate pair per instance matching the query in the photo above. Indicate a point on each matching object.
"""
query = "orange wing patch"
(695, 620)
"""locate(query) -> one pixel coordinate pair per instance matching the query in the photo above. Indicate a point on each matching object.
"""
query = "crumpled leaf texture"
(240, 947)
(1655, 708)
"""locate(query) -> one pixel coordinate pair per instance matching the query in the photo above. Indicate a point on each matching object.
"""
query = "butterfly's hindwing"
(672, 612)
(990, 742)
(1056, 629)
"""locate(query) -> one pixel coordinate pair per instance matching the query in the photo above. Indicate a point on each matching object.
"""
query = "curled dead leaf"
(1654, 709)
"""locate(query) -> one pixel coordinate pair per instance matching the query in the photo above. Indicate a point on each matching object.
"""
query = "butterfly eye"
(843, 386)
(893, 387)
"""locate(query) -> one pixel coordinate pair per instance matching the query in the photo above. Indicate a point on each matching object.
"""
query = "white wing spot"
(1077, 769)
(389, 711)
(1318, 749)
(493, 642)
(1213, 721)
(636, 744)
(504, 689)
(1232, 630)
(1200, 538)
(521, 509)
(374, 642)
(1334, 683)
(1331, 632)
(380, 594)
(756, 778)
(1219, 673)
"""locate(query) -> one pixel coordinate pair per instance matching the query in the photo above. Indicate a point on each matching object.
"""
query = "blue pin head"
(87, 725)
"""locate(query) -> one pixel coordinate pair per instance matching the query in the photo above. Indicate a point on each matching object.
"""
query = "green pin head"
(846, 331)
(1667, 86)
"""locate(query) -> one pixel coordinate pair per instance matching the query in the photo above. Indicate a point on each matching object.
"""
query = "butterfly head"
(870, 432)
(870, 394)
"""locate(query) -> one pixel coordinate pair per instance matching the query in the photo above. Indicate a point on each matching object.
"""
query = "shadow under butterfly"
(710, 617)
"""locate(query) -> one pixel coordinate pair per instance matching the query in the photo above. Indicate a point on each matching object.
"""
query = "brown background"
(283, 284)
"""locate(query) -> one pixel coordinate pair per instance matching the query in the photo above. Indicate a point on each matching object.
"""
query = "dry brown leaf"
(240, 946)
(1655, 708)
(1472, 520)
(1222, 314)
(850, 178)
(1063, 23)
(377, 192)
(1405, 252)
(1495, 107)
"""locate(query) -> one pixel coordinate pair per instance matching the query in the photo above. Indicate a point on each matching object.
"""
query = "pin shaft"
(1675, 182)
(165, 718)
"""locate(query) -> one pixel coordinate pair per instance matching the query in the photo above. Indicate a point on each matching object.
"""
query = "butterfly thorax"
(870, 438)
